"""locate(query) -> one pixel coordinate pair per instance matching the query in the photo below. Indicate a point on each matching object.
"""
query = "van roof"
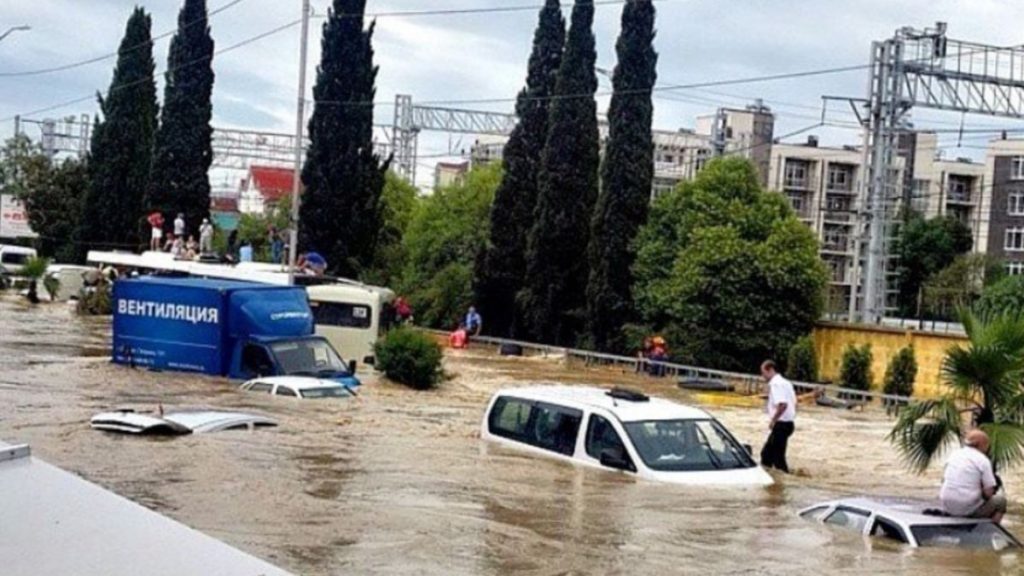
(594, 397)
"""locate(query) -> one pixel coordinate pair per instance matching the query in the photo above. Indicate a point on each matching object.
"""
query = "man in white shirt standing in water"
(781, 414)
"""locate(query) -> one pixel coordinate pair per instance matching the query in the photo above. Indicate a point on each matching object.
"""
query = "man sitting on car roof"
(969, 487)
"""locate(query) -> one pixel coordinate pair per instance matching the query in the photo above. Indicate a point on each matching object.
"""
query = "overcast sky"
(483, 56)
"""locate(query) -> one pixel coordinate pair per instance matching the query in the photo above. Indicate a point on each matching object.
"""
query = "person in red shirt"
(459, 338)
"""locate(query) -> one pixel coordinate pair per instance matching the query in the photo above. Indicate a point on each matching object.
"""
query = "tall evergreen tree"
(626, 179)
(553, 300)
(502, 265)
(122, 144)
(180, 181)
(343, 177)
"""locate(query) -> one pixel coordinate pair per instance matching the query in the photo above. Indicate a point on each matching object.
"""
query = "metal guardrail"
(748, 383)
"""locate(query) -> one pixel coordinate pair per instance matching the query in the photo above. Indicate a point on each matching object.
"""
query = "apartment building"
(822, 185)
(680, 154)
(956, 188)
(449, 173)
(1003, 209)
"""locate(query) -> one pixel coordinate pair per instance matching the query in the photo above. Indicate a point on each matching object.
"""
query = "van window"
(509, 417)
(601, 436)
(555, 428)
(15, 258)
(285, 391)
(342, 314)
(256, 361)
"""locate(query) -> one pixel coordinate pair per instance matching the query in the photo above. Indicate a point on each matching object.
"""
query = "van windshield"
(687, 446)
(312, 357)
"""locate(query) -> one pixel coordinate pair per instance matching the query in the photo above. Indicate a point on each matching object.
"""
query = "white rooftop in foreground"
(53, 522)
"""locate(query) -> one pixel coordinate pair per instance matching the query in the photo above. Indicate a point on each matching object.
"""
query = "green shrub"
(901, 372)
(802, 364)
(409, 357)
(96, 303)
(855, 372)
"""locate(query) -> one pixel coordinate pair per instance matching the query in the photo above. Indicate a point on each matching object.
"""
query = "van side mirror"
(616, 458)
(351, 366)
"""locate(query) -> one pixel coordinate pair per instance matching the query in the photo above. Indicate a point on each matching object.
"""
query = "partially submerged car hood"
(186, 422)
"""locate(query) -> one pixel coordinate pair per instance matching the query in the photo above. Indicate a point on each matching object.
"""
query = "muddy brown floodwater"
(398, 481)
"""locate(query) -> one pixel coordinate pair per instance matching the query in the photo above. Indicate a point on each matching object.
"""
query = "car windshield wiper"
(711, 453)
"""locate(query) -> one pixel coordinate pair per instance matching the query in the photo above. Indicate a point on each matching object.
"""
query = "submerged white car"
(298, 387)
(623, 430)
(184, 422)
(906, 522)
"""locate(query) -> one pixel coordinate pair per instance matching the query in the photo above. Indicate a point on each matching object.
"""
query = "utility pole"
(300, 115)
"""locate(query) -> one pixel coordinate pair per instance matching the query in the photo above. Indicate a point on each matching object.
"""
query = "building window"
(919, 195)
(795, 174)
(840, 177)
(1016, 204)
(1015, 268)
(959, 189)
(1014, 240)
(836, 238)
(1017, 168)
(796, 200)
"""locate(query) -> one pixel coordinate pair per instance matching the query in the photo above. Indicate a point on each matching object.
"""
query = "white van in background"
(351, 316)
(13, 258)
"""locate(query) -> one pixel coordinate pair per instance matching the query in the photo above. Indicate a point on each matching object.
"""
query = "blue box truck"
(221, 327)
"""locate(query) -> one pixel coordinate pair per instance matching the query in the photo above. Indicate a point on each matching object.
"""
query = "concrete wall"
(831, 339)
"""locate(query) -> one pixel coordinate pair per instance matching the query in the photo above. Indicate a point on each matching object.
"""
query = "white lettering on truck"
(165, 311)
(287, 315)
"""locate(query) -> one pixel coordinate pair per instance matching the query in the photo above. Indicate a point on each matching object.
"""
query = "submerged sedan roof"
(625, 409)
(905, 510)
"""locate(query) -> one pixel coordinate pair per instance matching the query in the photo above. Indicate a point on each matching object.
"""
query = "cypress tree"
(181, 161)
(502, 265)
(343, 177)
(122, 144)
(553, 300)
(626, 179)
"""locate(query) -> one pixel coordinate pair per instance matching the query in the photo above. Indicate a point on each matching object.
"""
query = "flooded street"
(398, 482)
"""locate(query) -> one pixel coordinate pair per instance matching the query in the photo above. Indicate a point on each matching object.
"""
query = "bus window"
(342, 314)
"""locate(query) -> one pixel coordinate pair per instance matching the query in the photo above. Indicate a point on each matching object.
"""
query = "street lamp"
(21, 28)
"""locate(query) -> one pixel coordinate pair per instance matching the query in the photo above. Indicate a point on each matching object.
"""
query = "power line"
(95, 59)
(117, 87)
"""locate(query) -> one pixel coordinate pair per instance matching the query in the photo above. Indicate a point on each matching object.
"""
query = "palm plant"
(33, 270)
(984, 390)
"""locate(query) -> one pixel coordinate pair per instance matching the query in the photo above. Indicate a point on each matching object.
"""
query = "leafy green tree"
(502, 266)
(398, 203)
(802, 364)
(122, 145)
(343, 176)
(181, 160)
(901, 373)
(924, 248)
(726, 271)
(1004, 296)
(21, 162)
(855, 370)
(626, 180)
(447, 231)
(553, 300)
(53, 197)
(255, 229)
(959, 284)
(982, 379)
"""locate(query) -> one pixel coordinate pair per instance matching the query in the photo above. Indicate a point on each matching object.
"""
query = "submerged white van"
(622, 430)
(13, 258)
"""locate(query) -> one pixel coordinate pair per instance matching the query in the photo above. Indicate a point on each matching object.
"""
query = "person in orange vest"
(459, 338)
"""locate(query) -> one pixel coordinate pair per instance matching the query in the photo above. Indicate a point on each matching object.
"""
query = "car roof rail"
(628, 394)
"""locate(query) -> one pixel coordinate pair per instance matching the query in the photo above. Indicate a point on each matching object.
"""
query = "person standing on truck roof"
(781, 414)
(179, 225)
(969, 485)
(474, 323)
(156, 223)
(206, 237)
